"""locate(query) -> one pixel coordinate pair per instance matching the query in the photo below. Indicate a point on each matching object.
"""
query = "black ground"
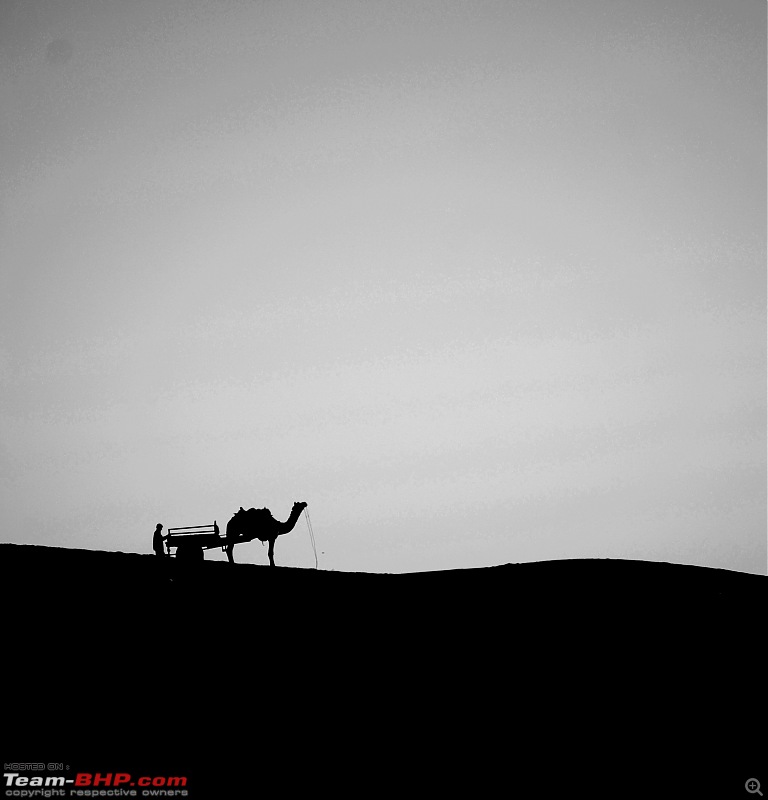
(416, 683)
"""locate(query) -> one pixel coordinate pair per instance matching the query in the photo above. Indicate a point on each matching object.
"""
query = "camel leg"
(230, 548)
(271, 552)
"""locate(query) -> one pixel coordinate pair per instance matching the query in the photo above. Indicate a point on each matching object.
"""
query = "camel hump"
(253, 516)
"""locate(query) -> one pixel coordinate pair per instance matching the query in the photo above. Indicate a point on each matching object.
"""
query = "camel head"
(299, 507)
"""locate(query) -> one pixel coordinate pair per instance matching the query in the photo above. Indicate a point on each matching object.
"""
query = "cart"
(191, 540)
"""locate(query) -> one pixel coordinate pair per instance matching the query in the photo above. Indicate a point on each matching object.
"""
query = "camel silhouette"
(258, 523)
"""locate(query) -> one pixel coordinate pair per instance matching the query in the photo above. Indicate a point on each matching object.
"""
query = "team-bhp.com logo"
(91, 784)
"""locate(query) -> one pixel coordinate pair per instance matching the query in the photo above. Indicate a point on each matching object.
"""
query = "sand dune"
(438, 673)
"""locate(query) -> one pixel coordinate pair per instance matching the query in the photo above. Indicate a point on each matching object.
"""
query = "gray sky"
(482, 281)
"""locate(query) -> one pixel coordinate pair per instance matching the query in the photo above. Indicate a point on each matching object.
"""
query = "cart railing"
(205, 537)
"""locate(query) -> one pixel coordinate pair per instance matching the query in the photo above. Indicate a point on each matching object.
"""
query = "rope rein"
(311, 533)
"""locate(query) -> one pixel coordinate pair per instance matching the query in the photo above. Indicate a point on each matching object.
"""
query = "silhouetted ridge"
(407, 663)
(602, 587)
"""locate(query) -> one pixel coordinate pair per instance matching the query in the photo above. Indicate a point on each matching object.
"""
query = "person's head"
(159, 527)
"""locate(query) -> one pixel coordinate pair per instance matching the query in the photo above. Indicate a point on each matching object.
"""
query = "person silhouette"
(157, 541)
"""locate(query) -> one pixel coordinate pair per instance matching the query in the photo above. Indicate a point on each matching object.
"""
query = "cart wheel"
(189, 553)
